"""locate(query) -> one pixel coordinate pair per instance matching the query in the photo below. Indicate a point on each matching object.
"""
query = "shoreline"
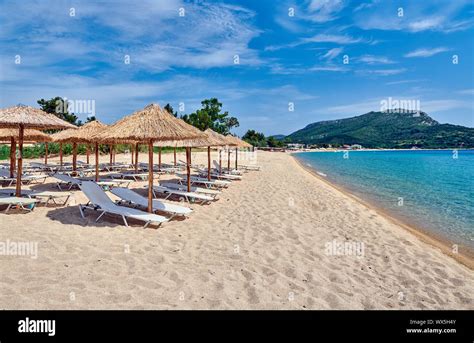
(466, 258)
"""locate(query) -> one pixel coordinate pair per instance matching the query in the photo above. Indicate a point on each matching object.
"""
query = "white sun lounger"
(134, 176)
(215, 175)
(231, 171)
(133, 198)
(25, 204)
(71, 182)
(213, 183)
(27, 179)
(51, 196)
(211, 192)
(249, 167)
(10, 192)
(99, 201)
(202, 198)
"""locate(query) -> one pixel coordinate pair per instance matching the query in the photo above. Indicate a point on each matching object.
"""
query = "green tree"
(210, 116)
(59, 108)
(255, 138)
(170, 110)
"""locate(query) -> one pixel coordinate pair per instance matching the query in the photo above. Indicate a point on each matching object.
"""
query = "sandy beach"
(262, 245)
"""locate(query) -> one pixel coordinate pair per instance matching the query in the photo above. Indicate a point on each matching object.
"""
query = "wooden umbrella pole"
(74, 156)
(236, 153)
(136, 157)
(96, 162)
(175, 156)
(188, 167)
(110, 153)
(61, 155)
(20, 160)
(87, 153)
(131, 150)
(12, 157)
(150, 176)
(113, 153)
(159, 158)
(209, 163)
(220, 161)
(228, 160)
(45, 153)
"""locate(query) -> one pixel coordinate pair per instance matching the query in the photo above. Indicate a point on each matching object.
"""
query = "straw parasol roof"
(26, 117)
(83, 134)
(217, 136)
(149, 124)
(211, 138)
(31, 118)
(29, 135)
(237, 142)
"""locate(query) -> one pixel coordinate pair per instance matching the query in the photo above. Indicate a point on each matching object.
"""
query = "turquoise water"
(433, 190)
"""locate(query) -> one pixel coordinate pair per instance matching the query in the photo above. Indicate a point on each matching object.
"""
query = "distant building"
(295, 146)
(355, 147)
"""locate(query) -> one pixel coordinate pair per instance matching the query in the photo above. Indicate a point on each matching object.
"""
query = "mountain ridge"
(393, 129)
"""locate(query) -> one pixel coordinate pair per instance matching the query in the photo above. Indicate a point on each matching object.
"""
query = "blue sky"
(291, 55)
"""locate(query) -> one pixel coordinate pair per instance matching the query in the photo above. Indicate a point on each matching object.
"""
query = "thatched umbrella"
(83, 135)
(238, 143)
(210, 139)
(11, 135)
(151, 124)
(220, 141)
(26, 117)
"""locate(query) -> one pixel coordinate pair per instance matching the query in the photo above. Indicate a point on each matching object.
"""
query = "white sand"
(261, 246)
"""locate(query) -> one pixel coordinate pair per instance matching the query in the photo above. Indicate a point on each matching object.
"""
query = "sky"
(275, 65)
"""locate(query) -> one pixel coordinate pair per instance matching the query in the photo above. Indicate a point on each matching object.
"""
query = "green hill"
(387, 130)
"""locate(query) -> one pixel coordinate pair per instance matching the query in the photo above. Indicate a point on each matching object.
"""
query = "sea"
(432, 190)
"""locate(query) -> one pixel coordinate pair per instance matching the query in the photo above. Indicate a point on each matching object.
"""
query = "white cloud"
(152, 32)
(332, 68)
(426, 24)
(370, 59)
(321, 11)
(382, 72)
(331, 38)
(426, 52)
(417, 16)
(332, 54)
(403, 82)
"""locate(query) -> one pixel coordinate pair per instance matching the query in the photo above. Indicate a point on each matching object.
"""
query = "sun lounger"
(215, 175)
(213, 183)
(249, 167)
(70, 182)
(133, 198)
(99, 201)
(202, 198)
(79, 172)
(27, 178)
(113, 182)
(231, 171)
(10, 192)
(47, 196)
(211, 192)
(25, 204)
(134, 176)
(44, 167)
(114, 167)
